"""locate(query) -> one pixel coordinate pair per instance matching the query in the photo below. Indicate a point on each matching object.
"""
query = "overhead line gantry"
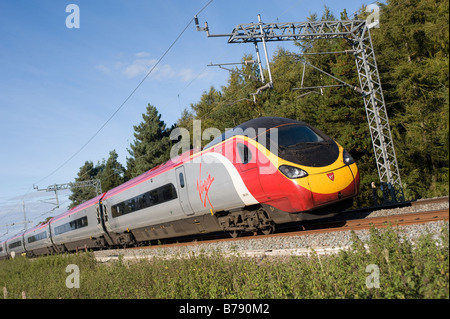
(357, 35)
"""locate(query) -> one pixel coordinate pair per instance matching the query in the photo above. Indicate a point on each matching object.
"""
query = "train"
(262, 173)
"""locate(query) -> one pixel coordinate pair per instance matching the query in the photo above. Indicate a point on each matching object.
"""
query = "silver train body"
(161, 203)
(235, 184)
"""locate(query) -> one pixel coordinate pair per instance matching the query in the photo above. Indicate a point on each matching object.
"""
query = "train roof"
(77, 209)
(150, 174)
(39, 226)
(254, 125)
(14, 236)
(261, 122)
(268, 123)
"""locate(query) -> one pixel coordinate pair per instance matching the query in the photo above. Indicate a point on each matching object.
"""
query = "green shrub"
(405, 271)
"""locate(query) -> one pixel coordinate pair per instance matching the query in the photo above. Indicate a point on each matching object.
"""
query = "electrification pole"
(96, 183)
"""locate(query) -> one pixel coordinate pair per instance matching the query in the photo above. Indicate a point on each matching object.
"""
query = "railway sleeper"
(243, 221)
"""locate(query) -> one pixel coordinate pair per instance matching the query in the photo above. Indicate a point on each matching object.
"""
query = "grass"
(405, 271)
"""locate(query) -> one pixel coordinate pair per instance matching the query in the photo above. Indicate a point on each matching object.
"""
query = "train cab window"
(181, 180)
(244, 153)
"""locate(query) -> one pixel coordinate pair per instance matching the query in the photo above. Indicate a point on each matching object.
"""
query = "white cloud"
(164, 71)
(103, 68)
(186, 74)
(141, 65)
(142, 54)
(138, 67)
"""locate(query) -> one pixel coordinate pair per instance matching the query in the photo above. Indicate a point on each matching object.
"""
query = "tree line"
(411, 47)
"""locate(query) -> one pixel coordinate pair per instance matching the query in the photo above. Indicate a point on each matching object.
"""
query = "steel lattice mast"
(357, 34)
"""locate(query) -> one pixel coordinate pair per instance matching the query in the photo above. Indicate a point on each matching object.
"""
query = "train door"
(183, 190)
(247, 158)
(103, 220)
(100, 224)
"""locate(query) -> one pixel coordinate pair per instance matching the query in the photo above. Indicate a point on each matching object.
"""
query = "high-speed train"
(264, 172)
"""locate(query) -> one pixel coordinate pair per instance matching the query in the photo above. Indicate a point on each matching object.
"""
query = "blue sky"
(58, 86)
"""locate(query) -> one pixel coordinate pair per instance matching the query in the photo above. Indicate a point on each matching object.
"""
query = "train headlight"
(292, 172)
(348, 159)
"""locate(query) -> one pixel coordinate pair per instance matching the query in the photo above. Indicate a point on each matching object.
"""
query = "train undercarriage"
(242, 221)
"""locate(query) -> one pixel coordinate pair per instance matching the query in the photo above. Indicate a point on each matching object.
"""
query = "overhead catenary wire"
(220, 104)
(126, 99)
(121, 105)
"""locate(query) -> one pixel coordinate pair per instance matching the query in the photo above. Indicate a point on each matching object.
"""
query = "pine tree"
(206, 109)
(87, 172)
(238, 104)
(113, 174)
(413, 46)
(151, 146)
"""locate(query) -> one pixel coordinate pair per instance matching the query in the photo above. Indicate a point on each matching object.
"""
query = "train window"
(15, 244)
(154, 197)
(181, 180)
(169, 193)
(37, 237)
(244, 153)
(297, 135)
(75, 224)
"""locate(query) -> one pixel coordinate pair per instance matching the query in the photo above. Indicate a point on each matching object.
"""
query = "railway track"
(430, 201)
(355, 224)
(350, 222)
(351, 219)
(378, 222)
(316, 228)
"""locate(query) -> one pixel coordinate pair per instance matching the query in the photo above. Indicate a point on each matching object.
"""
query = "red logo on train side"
(203, 188)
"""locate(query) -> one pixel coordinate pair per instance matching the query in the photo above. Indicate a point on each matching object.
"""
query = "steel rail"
(327, 227)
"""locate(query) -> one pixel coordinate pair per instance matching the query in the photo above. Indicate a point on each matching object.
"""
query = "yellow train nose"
(333, 185)
(330, 182)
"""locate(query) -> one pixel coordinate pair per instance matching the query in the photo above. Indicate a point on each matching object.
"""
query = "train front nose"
(334, 185)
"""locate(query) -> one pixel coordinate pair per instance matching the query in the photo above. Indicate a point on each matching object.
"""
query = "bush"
(405, 271)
